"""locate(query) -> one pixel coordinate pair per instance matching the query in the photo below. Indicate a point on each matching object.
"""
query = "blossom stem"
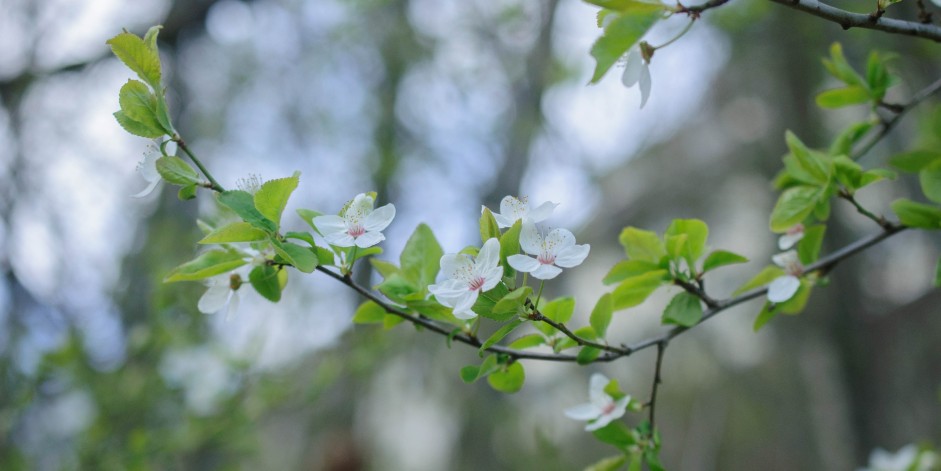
(678, 36)
(539, 294)
(349, 268)
(213, 184)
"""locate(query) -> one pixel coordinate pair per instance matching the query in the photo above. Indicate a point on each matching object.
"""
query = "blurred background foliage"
(438, 106)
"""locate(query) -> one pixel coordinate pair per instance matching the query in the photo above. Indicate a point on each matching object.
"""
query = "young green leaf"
(510, 304)
(616, 433)
(587, 355)
(472, 373)
(488, 226)
(137, 128)
(528, 341)
(919, 215)
(840, 97)
(696, 233)
(174, 170)
(420, 259)
(601, 315)
(808, 249)
(684, 309)
(508, 379)
(139, 104)
(768, 312)
(793, 206)
(369, 313)
(811, 162)
(434, 311)
(765, 276)
(559, 310)
(937, 275)
(138, 56)
(719, 258)
(634, 291)
(239, 231)
(308, 216)
(848, 137)
(500, 334)
(486, 301)
(840, 68)
(397, 288)
(213, 262)
(243, 203)
(930, 179)
(642, 245)
(611, 463)
(186, 193)
(916, 160)
(510, 245)
(273, 195)
(300, 257)
(628, 269)
(621, 33)
(265, 280)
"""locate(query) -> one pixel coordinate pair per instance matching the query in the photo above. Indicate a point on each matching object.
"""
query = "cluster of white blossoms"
(467, 277)
(784, 287)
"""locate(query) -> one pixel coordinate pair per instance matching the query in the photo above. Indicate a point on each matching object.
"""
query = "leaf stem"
(213, 184)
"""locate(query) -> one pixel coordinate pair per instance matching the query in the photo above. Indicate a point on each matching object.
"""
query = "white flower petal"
(599, 423)
(542, 212)
(530, 239)
(583, 412)
(329, 224)
(340, 239)
(572, 256)
(546, 272)
(558, 239)
(489, 255)
(788, 240)
(784, 259)
(503, 221)
(456, 265)
(215, 298)
(463, 308)
(513, 208)
(783, 288)
(380, 218)
(492, 277)
(645, 84)
(523, 263)
(632, 66)
(596, 386)
(357, 211)
(369, 239)
(449, 291)
(148, 190)
(233, 306)
(148, 166)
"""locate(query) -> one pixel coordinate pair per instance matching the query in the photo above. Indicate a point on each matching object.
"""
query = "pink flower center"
(608, 408)
(476, 283)
(356, 230)
(546, 258)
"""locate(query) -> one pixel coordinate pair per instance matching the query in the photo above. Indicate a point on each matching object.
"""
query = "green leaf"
(601, 315)
(840, 97)
(500, 334)
(808, 249)
(508, 379)
(397, 288)
(696, 233)
(235, 232)
(676, 246)
(937, 275)
(930, 179)
(628, 269)
(150, 37)
(720, 258)
(764, 316)
(812, 163)
(487, 300)
(186, 193)
(369, 313)
(213, 262)
(305, 236)
(840, 68)
(916, 160)
(139, 104)
(587, 355)
(511, 303)
(300, 257)
(433, 310)
(243, 203)
(684, 309)
(634, 291)
(796, 304)
(848, 137)
(421, 257)
(273, 195)
(765, 276)
(174, 170)
(616, 433)
(793, 206)
(137, 128)
(472, 373)
(391, 321)
(265, 280)
(914, 214)
(489, 228)
(528, 341)
(308, 216)
(642, 245)
(139, 56)
(621, 33)
(611, 463)
(385, 268)
(510, 245)
(559, 309)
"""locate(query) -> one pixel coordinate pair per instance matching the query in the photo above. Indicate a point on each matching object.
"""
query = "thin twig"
(652, 404)
(849, 20)
(880, 220)
(213, 184)
(900, 111)
(537, 316)
(695, 11)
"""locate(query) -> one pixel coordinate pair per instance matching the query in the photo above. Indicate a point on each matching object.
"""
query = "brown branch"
(849, 20)
(696, 291)
(537, 316)
(900, 111)
(652, 404)
(880, 220)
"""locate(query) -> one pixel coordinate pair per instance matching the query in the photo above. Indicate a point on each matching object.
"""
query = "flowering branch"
(849, 20)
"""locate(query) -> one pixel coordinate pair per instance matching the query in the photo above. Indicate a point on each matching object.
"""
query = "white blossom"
(358, 225)
(513, 209)
(791, 237)
(637, 71)
(602, 408)
(556, 250)
(784, 287)
(148, 169)
(467, 277)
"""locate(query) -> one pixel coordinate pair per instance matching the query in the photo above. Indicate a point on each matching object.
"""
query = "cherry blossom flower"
(784, 287)
(467, 278)
(513, 209)
(556, 250)
(637, 71)
(602, 408)
(222, 294)
(908, 458)
(791, 237)
(148, 170)
(358, 225)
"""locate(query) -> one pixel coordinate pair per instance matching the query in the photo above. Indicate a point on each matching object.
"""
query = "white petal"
(492, 276)
(644, 85)
(546, 272)
(456, 266)
(572, 256)
(148, 166)
(597, 424)
(783, 288)
(233, 305)
(503, 221)
(542, 212)
(513, 208)
(558, 239)
(369, 239)
(340, 239)
(358, 209)
(380, 218)
(489, 255)
(523, 263)
(784, 259)
(583, 412)
(632, 67)
(788, 240)
(596, 386)
(214, 299)
(530, 239)
(148, 190)
(329, 224)
(463, 308)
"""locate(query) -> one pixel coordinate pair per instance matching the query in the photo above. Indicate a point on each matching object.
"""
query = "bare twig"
(900, 111)
(849, 20)
(652, 404)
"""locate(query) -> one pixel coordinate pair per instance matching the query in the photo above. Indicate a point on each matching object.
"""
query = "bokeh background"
(440, 106)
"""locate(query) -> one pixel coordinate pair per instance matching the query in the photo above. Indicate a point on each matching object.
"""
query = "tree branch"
(900, 111)
(652, 404)
(849, 20)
